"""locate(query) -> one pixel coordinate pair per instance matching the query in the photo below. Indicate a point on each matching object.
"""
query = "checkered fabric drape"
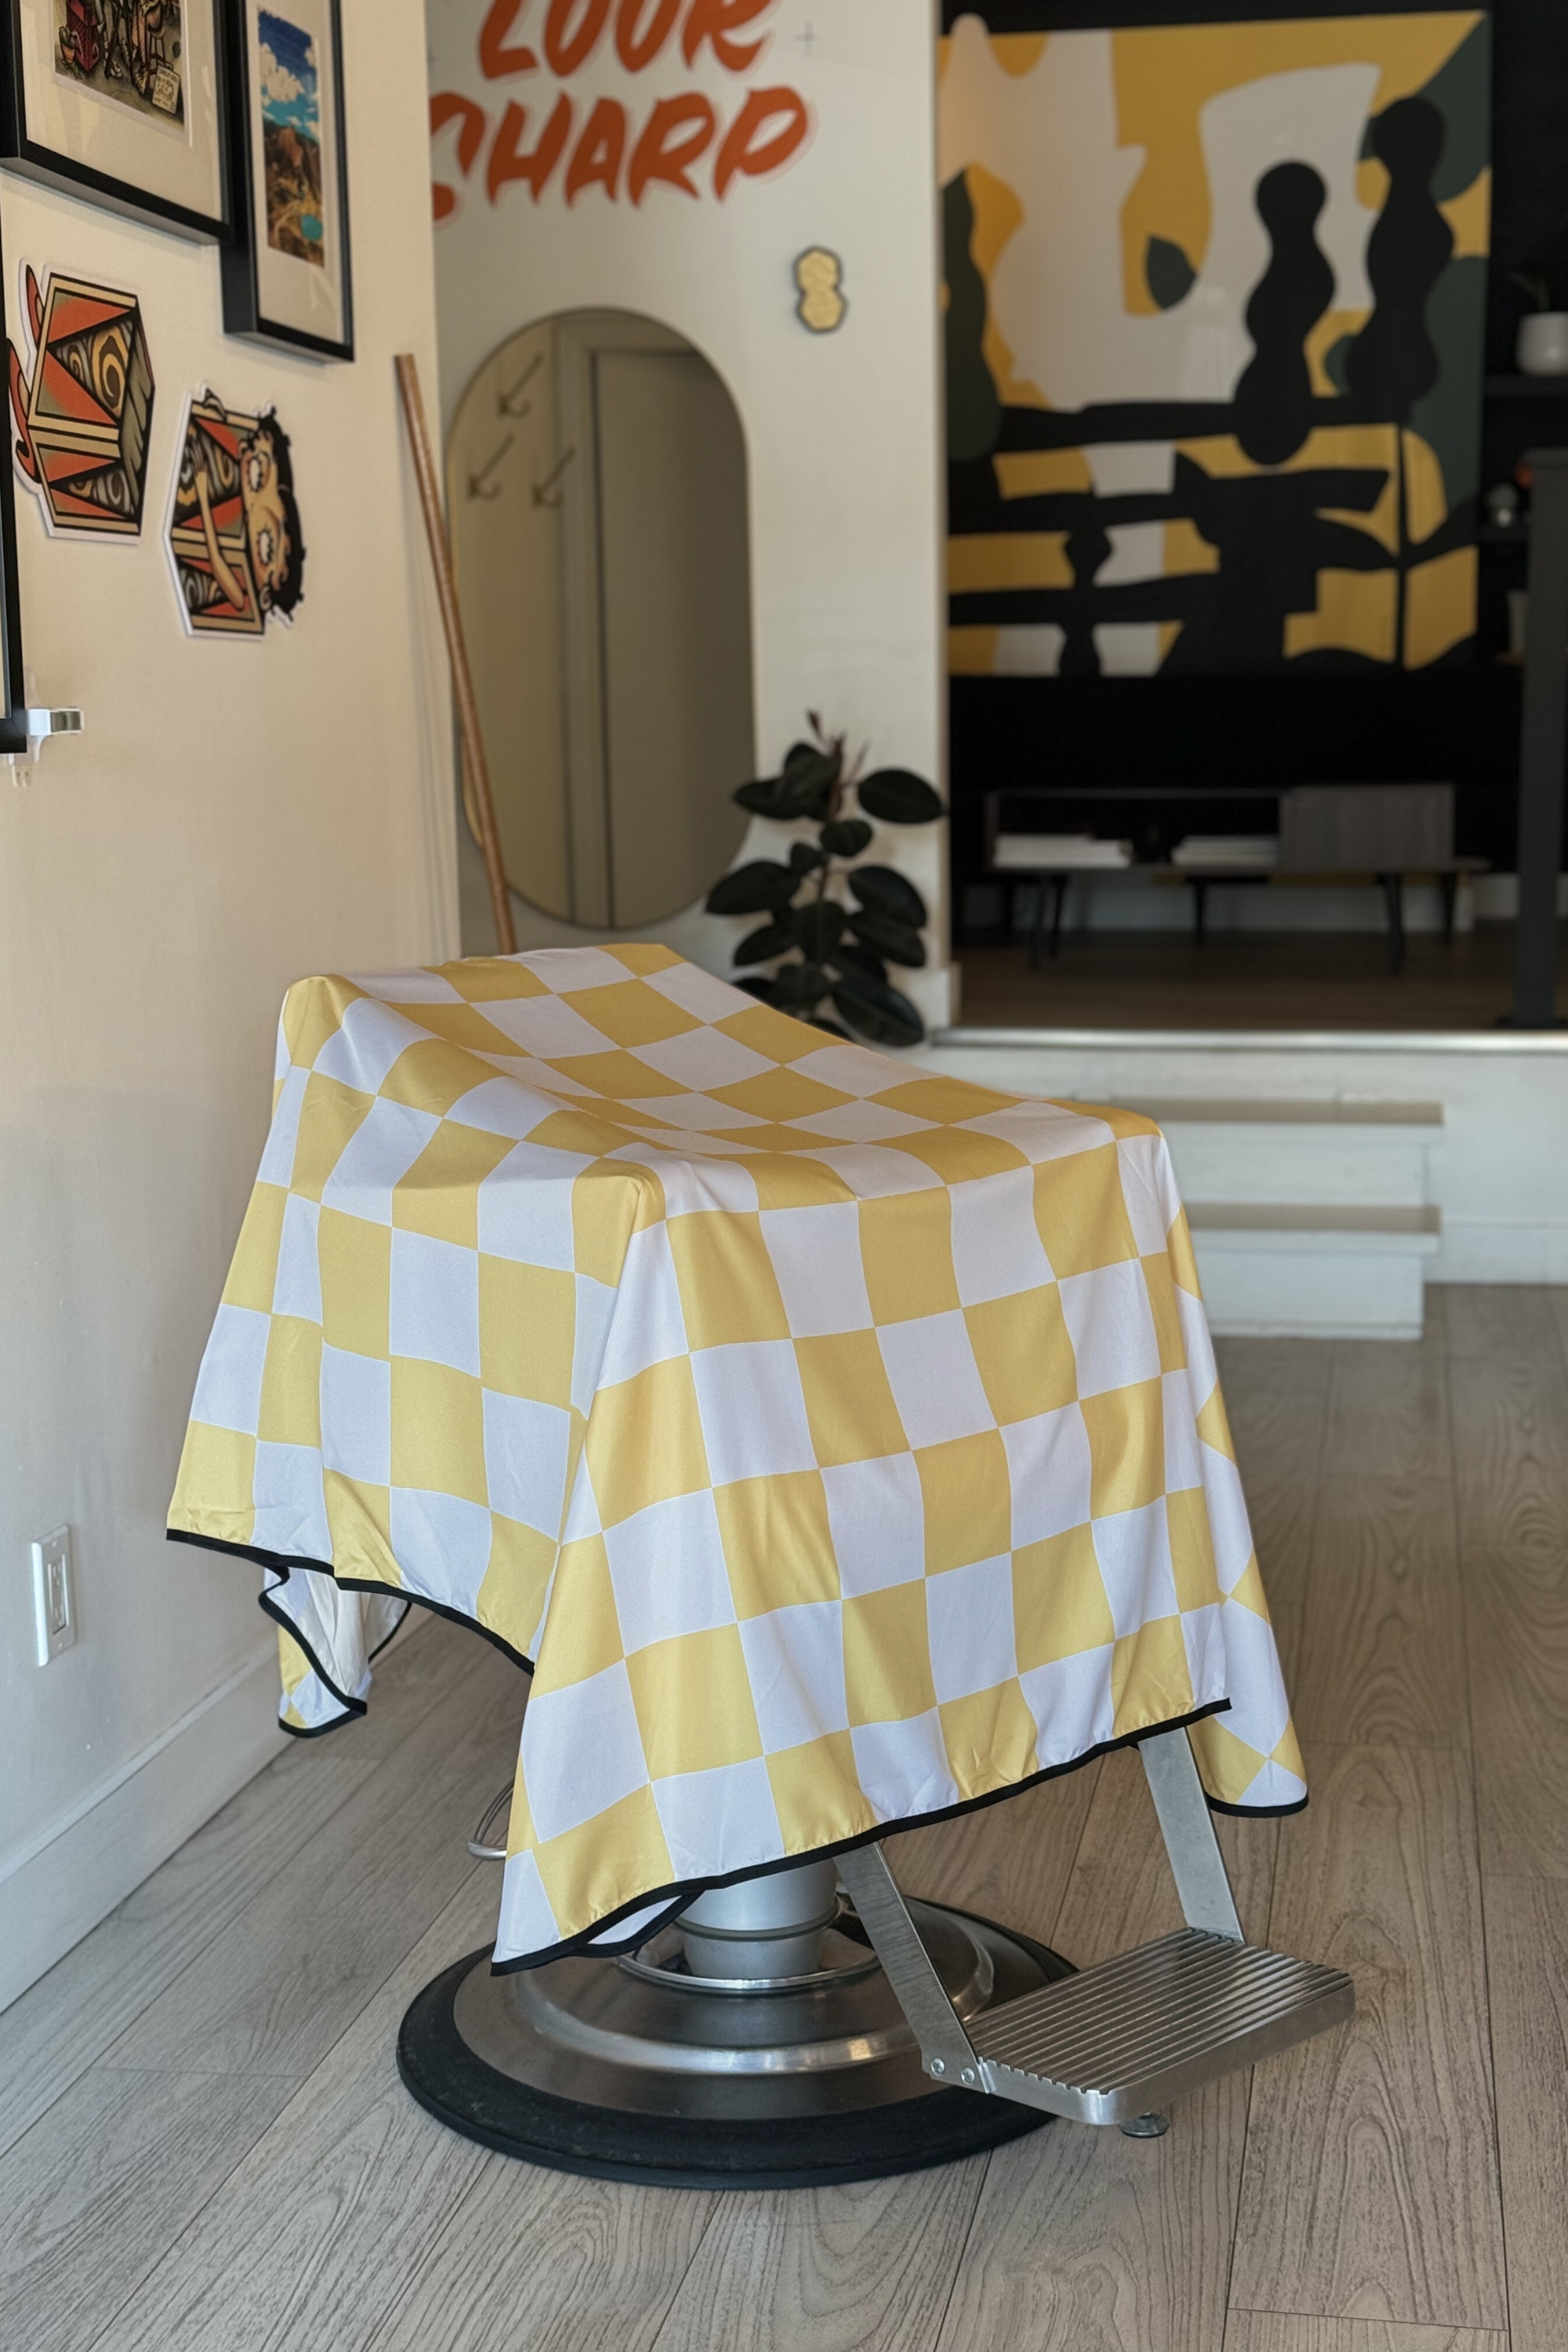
(839, 1442)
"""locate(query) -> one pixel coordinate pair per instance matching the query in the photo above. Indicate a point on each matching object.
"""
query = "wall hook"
(541, 490)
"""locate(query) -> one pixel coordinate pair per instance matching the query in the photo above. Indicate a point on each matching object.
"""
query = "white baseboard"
(73, 1876)
(1501, 1250)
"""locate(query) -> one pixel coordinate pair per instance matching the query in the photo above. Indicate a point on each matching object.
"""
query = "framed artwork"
(286, 275)
(1216, 295)
(13, 684)
(121, 101)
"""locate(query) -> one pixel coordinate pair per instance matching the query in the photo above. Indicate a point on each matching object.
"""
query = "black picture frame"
(25, 150)
(13, 677)
(246, 308)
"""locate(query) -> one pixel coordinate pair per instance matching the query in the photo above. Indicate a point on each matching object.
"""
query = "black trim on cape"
(677, 1895)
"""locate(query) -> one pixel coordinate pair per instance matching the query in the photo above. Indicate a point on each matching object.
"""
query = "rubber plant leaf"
(751, 889)
(817, 927)
(897, 797)
(895, 941)
(889, 893)
(850, 955)
(775, 939)
(880, 1014)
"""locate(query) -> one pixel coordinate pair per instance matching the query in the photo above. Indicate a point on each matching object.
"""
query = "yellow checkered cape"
(840, 1443)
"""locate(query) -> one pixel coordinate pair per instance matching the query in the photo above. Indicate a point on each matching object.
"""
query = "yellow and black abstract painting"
(1215, 300)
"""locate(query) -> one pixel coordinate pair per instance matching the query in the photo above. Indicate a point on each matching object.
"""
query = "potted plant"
(822, 945)
(1542, 348)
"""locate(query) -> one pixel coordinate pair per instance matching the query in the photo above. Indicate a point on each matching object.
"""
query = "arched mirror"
(596, 487)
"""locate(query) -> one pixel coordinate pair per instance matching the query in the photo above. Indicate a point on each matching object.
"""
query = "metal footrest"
(1135, 2032)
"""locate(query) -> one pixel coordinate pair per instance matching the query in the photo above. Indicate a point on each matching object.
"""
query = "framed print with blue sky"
(1214, 307)
(285, 277)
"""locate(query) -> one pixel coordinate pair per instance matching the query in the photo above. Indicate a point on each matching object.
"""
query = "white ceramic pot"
(1542, 347)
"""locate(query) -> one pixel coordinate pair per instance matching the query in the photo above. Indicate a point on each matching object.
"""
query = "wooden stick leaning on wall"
(451, 622)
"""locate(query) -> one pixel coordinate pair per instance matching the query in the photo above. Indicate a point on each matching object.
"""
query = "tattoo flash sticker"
(234, 526)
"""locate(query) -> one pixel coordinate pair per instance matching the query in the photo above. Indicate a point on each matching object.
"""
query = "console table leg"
(1394, 896)
(1060, 881)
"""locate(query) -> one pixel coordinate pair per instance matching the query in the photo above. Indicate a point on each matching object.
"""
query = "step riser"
(1302, 1165)
(1267, 1289)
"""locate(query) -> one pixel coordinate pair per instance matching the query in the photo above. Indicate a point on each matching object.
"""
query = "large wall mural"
(1214, 301)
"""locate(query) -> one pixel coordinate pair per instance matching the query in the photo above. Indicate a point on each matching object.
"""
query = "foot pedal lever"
(1117, 2043)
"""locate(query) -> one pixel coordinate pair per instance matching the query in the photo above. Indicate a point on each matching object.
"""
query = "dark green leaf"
(751, 889)
(806, 787)
(818, 926)
(766, 990)
(762, 797)
(805, 857)
(894, 941)
(800, 986)
(898, 797)
(820, 1021)
(846, 836)
(880, 1014)
(889, 893)
(849, 955)
(775, 939)
(803, 788)
(829, 754)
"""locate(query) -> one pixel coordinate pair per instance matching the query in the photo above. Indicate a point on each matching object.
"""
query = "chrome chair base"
(638, 2069)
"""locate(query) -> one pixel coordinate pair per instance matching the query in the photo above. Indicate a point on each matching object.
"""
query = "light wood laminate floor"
(204, 2146)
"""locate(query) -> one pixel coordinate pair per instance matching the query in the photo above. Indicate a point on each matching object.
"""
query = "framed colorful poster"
(121, 101)
(13, 684)
(286, 276)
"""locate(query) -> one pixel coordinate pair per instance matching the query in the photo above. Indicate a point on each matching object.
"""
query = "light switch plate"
(54, 1594)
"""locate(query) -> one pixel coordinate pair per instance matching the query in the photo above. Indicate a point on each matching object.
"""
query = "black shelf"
(1526, 387)
(1513, 534)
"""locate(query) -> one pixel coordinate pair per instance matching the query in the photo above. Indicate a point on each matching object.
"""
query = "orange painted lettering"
(717, 22)
(596, 159)
(507, 161)
(450, 106)
(495, 58)
(636, 43)
(678, 132)
(569, 44)
(750, 148)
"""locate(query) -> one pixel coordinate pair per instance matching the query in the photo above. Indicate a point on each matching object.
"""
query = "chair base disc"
(635, 2071)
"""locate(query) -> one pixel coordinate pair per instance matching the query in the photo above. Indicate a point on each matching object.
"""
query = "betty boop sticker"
(233, 525)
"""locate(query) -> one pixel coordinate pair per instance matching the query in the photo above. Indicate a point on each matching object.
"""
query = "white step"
(1291, 1151)
(1333, 1270)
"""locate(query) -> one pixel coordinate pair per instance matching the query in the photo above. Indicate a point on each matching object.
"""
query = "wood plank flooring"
(204, 2146)
(1246, 980)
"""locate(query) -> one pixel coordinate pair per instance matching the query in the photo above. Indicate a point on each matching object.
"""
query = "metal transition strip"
(1270, 1041)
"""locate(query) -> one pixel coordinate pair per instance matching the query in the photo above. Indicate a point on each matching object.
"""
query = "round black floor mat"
(460, 2090)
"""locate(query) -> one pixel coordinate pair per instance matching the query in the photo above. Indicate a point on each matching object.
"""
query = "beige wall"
(843, 430)
(237, 814)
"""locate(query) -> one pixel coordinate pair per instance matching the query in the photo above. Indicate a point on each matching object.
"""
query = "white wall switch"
(54, 1599)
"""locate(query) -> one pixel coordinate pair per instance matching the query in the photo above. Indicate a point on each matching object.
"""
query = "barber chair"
(805, 2025)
